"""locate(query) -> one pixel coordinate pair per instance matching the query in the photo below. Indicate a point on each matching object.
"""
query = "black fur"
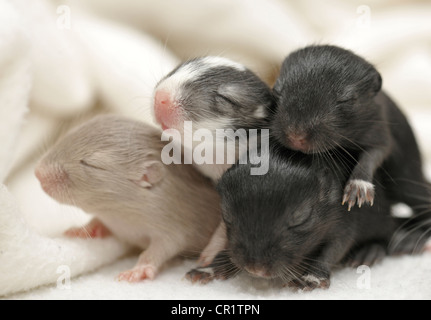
(334, 98)
(290, 223)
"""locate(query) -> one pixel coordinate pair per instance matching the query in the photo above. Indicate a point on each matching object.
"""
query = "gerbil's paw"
(138, 273)
(358, 191)
(90, 231)
(309, 282)
(201, 275)
(367, 255)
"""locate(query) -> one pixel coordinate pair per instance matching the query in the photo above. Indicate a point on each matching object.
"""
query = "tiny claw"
(345, 198)
(370, 198)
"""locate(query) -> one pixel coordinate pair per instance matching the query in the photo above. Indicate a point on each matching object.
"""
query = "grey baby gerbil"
(110, 167)
(212, 93)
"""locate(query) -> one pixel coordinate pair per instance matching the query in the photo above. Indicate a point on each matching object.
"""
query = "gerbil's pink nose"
(51, 179)
(258, 271)
(165, 109)
(162, 98)
(298, 142)
(39, 173)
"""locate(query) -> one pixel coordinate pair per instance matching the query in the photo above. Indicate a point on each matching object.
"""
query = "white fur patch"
(310, 278)
(213, 62)
(208, 270)
(191, 71)
(172, 84)
(260, 112)
(362, 184)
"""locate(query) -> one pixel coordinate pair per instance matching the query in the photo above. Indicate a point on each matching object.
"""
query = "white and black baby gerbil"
(212, 93)
(110, 167)
(329, 101)
(289, 225)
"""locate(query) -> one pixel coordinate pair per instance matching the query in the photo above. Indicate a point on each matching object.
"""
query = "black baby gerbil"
(329, 101)
(289, 225)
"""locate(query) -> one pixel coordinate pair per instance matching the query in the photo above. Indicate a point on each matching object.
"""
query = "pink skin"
(298, 142)
(138, 273)
(51, 179)
(94, 229)
(166, 110)
(150, 261)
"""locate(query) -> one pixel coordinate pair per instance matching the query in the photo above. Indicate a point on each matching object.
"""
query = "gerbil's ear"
(154, 172)
(377, 82)
(372, 84)
(369, 86)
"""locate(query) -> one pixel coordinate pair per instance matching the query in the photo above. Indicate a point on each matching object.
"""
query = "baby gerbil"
(110, 167)
(289, 225)
(213, 93)
(329, 101)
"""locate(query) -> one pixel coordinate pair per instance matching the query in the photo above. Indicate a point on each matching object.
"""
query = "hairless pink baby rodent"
(110, 167)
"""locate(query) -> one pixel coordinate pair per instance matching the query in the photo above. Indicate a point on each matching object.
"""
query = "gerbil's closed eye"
(349, 95)
(99, 160)
(90, 165)
(300, 215)
(227, 99)
(235, 94)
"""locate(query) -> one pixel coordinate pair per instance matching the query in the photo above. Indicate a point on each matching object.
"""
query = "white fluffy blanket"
(66, 60)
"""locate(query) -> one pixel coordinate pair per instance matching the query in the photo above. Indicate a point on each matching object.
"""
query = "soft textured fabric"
(65, 61)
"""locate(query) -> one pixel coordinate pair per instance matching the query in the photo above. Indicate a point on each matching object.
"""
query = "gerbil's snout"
(298, 141)
(258, 271)
(166, 109)
(52, 179)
